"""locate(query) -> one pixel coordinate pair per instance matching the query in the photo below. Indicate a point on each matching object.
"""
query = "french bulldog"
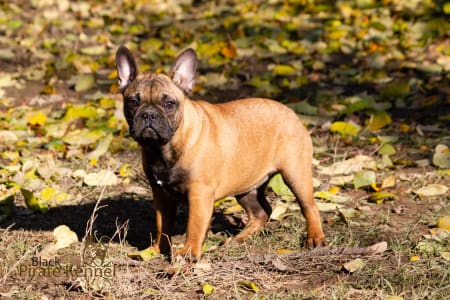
(199, 152)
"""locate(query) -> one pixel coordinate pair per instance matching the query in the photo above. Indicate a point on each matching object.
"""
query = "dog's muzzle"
(151, 124)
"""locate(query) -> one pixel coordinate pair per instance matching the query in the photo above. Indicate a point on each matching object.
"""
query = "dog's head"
(153, 103)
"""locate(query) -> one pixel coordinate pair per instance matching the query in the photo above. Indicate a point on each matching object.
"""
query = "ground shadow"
(138, 211)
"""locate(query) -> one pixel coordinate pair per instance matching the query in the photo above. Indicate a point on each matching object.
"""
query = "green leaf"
(387, 149)
(304, 108)
(284, 70)
(278, 186)
(84, 82)
(345, 128)
(80, 137)
(93, 50)
(356, 106)
(32, 202)
(364, 179)
(380, 197)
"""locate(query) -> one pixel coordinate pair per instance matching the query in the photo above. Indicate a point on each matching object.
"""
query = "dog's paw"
(187, 253)
(315, 241)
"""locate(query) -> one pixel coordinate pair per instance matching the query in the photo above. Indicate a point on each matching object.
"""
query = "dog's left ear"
(183, 70)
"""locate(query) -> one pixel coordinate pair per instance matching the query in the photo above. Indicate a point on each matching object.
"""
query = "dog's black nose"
(147, 116)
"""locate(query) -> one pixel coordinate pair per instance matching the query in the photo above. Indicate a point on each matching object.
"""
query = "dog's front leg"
(201, 204)
(165, 208)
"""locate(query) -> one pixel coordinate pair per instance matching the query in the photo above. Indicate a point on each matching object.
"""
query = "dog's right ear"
(126, 67)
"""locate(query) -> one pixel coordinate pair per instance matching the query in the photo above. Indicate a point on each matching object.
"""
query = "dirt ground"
(113, 223)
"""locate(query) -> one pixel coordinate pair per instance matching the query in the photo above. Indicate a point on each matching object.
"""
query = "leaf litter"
(372, 79)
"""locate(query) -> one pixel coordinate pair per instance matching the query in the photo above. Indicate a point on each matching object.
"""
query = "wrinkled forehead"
(151, 87)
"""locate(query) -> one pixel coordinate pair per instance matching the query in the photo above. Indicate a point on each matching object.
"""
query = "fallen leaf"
(278, 211)
(394, 298)
(248, 285)
(432, 190)
(364, 179)
(378, 121)
(102, 178)
(354, 265)
(84, 82)
(387, 149)
(441, 157)
(8, 137)
(332, 197)
(446, 255)
(444, 223)
(207, 289)
(32, 202)
(389, 182)
(380, 197)
(278, 186)
(37, 119)
(81, 137)
(102, 147)
(144, 255)
(345, 128)
(341, 180)
(349, 166)
(328, 207)
(414, 258)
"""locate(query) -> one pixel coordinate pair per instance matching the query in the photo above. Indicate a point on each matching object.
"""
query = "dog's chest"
(172, 180)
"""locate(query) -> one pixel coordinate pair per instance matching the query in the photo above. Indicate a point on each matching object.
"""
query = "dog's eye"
(133, 102)
(169, 103)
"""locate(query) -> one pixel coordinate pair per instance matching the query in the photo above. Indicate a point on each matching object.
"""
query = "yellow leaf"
(93, 161)
(232, 209)
(47, 194)
(113, 74)
(144, 255)
(125, 170)
(80, 111)
(32, 202)
(229, 51)
(248, 285)
(285, 251)
(207, 289)
(414, 258)
(345, 128)
(333, 190)
(404, 127)
(380, 197)
(107, 103)
(37, 119)
(393, 298)
(444, 223)
(378, 121)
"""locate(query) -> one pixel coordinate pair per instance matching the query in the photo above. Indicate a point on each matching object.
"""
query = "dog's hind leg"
(258, 210)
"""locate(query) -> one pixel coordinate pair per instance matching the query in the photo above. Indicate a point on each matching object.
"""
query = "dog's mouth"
(150, 134)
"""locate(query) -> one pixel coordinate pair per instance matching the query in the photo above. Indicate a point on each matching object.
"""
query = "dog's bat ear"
(126, 67)
(183, 70)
